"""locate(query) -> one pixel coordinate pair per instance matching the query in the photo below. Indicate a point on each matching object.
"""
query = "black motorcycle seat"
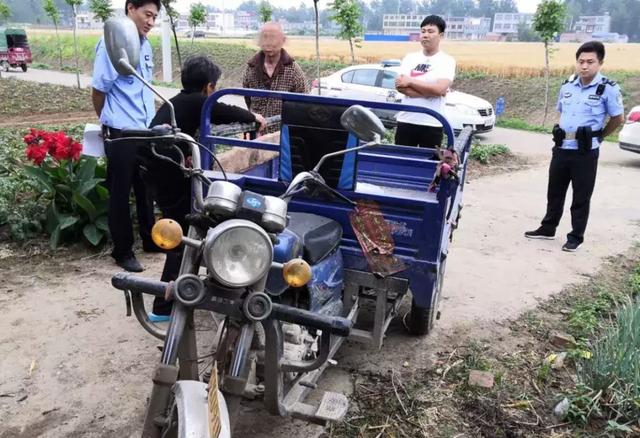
(319, 235)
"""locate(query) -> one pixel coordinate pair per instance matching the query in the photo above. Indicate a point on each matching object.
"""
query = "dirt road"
(71, 364)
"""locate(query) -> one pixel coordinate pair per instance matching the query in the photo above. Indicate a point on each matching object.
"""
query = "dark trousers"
(408, 134)
(579, 169)
(123, 173)
(172, 193)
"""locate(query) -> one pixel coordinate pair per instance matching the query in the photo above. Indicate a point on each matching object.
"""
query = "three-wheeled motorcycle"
(14, 49)
(286, 254)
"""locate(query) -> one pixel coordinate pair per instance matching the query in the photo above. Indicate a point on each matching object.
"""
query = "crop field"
(498, 58)
(493, 58)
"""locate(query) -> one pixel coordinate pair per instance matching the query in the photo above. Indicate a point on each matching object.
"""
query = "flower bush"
(77, 202)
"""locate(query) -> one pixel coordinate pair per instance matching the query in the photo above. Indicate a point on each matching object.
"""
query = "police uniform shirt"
(128, 103)
(587, 106)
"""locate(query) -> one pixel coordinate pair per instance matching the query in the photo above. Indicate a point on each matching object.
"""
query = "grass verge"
(597, 376)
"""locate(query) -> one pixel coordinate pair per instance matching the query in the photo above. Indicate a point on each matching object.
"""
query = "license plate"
(20, 57)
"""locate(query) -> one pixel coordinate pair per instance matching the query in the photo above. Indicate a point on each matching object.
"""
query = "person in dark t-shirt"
(172, 188)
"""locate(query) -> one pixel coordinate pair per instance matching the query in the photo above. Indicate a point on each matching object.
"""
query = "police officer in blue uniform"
(585, 101)
(124, 102)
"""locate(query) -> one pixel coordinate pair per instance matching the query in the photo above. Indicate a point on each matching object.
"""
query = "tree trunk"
(353, 56)
(75, 46)
(193, 36)
(315, 7)
(175, 37)
(59, 46)
(546, 85)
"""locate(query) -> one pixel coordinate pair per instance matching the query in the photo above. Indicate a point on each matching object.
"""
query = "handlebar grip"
(135, 283)
(335, 325)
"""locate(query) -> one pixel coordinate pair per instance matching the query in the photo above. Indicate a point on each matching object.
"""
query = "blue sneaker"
(158, 318)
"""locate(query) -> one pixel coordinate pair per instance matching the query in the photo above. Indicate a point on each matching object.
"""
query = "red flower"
(57, 144)
(36, 153)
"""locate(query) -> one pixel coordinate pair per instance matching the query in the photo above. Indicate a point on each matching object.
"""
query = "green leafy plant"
(483, 153)
(77, 202)
(610, 380)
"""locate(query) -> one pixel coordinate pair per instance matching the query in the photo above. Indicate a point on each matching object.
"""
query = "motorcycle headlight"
(238, 253)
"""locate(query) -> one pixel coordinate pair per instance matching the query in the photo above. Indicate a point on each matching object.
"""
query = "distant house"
(87, 20)
(246, 20)
(593, 24)
(458, 28)
(506, 23)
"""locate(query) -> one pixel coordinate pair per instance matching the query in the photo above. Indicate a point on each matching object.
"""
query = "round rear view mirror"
(362, 122)
(123, 44)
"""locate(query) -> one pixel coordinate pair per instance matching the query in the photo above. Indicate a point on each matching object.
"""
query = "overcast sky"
(183, 5)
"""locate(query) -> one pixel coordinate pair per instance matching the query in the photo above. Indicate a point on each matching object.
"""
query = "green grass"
(19, 97)
(516, 123)
(610, 380)
(484, 153)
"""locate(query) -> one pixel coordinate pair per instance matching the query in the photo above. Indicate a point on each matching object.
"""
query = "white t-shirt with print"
(428, 69)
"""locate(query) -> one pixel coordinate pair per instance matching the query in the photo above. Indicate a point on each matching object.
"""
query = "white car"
(377, 82)
(629, 136)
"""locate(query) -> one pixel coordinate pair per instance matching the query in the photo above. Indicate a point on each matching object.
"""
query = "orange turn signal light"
(167, 234)
(296, 272)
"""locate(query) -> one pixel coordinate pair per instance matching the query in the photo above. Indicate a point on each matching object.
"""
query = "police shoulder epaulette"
(608, 81)
(570, 79)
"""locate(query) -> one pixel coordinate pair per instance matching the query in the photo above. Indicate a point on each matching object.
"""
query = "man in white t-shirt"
(424, 80)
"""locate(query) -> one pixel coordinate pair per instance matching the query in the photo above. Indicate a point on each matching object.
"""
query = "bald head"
(271, 38)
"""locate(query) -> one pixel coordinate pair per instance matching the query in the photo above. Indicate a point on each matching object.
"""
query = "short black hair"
(434, 20)
(591, 47)
(139, 3)
(197, 72)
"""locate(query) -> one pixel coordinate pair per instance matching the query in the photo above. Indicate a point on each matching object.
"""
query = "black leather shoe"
(130, 263)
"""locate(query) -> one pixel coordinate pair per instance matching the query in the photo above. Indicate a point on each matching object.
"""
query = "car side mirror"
(363, 123)
(122, 41)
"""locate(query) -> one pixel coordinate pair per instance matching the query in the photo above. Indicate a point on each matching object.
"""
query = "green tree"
(347, 14)
(265, 11)
(5, 12)
(548, 22)
(101, 9)
(173, 17)
(197, 17)
(53, 12)
(74, 4)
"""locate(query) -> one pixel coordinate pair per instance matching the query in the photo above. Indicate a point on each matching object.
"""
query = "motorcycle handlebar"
(335, 325)
(330, 324)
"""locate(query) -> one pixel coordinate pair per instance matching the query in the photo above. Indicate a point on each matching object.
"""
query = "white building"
(593, 24)
(458, 28)
(508, 22)
(87, 20)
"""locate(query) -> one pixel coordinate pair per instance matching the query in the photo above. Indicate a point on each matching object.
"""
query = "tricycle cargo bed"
(396, 178)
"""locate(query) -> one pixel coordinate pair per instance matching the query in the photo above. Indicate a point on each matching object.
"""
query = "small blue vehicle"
(285, 255)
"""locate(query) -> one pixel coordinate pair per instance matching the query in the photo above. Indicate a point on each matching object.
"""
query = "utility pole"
(167, 68)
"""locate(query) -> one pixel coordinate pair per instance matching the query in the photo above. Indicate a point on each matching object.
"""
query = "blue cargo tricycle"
(286, 254)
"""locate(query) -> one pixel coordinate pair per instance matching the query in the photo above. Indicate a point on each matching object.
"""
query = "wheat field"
(500, 58)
